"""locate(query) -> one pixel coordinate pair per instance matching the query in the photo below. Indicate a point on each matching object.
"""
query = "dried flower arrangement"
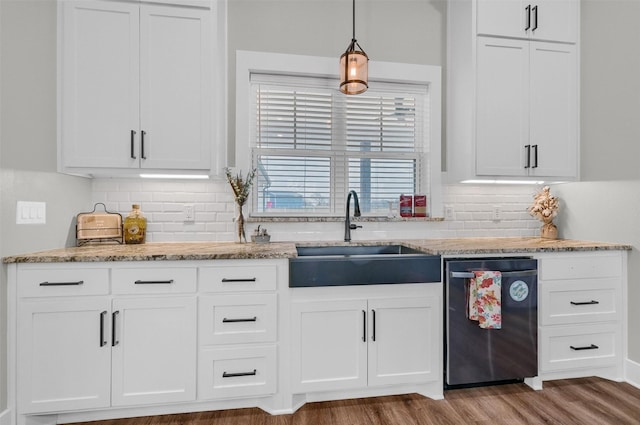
(241, 187)
(545, 208)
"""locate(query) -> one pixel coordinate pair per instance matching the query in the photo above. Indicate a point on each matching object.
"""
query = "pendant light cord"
(354, 21)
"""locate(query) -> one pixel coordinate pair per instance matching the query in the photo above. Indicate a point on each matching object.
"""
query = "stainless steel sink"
(362, 265)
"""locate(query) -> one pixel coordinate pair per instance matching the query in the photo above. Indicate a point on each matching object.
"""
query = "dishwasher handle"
(470, 275)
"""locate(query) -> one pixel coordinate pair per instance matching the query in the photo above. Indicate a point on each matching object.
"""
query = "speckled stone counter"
(467, 246)
(159, 251)
(230, 250)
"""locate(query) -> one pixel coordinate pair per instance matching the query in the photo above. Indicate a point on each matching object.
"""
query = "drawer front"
(581, 266)
(580, 301)
(249, 277)
(63, 282)
(157, 280)
(228, 319)
(236, 372)
(576, 347)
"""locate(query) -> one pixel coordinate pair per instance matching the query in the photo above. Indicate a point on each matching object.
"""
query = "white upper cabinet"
(551, 20)
(135, 87)
(526, 110)
(100, 84)
(554, 109)
(513, 104)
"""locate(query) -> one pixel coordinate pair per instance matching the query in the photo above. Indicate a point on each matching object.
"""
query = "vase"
(240, 225)
(549, 230)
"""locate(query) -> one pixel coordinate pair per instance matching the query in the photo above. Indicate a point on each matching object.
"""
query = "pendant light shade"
(354, 65)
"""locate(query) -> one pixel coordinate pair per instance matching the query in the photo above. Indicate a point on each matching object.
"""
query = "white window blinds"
(312, 144)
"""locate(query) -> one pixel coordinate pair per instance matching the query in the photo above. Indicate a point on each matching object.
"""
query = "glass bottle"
(135, 226)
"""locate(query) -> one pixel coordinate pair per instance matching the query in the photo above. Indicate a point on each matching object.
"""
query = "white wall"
(606, 206)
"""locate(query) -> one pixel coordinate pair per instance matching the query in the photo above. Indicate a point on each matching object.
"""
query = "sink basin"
(362, 265)
(348, 250)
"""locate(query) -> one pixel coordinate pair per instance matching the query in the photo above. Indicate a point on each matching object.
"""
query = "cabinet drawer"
(236, 372)
(243, 277)
(157, 280)
(593, 346)
(63, 282)
(581, 266)
(580, 301)
(237, 318)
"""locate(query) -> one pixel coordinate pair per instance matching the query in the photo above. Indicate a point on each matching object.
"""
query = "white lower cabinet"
(357, 343)
(77, 352)
(237, 329)
(154, 350)
(581, 314)
(64, 354)
(329, 345)
(236, 371)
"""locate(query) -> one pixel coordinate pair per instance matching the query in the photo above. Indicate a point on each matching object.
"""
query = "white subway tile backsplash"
(162, 202)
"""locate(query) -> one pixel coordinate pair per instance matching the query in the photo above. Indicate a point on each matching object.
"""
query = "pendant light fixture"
(354, 71)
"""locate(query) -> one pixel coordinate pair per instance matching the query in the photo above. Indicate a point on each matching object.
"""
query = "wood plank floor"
(585, 401)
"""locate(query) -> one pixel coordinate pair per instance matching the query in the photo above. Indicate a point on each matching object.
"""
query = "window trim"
(278, 63)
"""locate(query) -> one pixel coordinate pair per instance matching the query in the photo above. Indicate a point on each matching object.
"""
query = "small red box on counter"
(420, 205)
(406, 206)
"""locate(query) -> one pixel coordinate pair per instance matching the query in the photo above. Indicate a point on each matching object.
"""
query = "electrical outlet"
(189, 214)
(448, 212)
(497, 213)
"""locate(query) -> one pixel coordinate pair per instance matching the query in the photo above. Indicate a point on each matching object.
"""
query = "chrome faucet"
(348, 227)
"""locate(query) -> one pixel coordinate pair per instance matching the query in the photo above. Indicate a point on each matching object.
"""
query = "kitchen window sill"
(301, 219)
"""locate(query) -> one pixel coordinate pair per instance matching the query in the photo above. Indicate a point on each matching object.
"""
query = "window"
(311, 144)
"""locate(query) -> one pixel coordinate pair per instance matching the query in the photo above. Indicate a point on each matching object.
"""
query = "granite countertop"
(230, 250)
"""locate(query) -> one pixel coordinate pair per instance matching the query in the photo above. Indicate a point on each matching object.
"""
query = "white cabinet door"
(554, 109)
(550, 20)
(329, 345)
(556, 20)
(506, 18)
(502, 109)
(175, 92)
(404, 340)
(100, 76)
(154, 350)
(64, 354)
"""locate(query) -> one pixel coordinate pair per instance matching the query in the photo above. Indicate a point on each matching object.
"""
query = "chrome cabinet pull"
(584, 302)
(535, 156)
(528, 12)
(76, 283)
(252, 319)
(114, 340)
(235, 375)
(153, 282)
(102, 340)
(226, 280)
(590, 347)
(528, 148)
(133, 149)
(535, 17)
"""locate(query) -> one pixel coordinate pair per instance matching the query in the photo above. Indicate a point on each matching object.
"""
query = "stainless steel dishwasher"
(474, 355)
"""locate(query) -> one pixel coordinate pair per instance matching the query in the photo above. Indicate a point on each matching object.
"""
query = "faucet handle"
(354, 226)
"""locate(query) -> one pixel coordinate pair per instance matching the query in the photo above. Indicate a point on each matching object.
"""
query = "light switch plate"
(31, 212)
